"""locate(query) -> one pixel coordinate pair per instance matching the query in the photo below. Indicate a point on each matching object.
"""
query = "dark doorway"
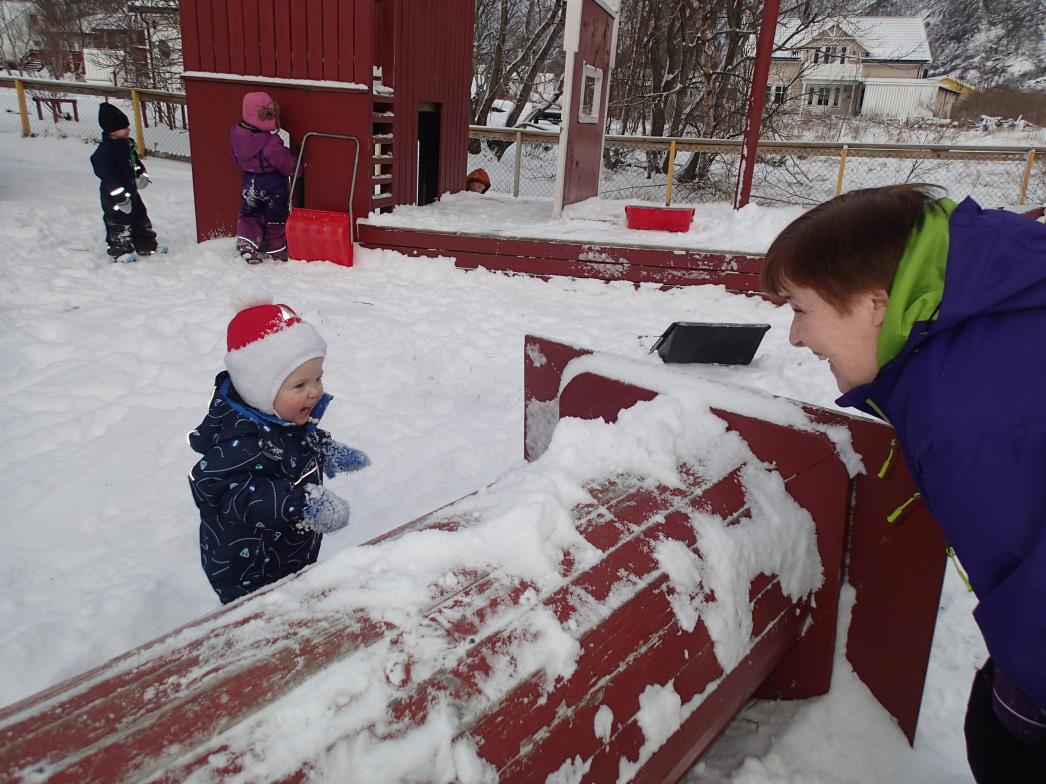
(428, 152)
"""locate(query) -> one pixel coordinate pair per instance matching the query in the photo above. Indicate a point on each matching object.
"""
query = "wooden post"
(756, 98)
(842, 169)
(23, 112)
(671, 172)
(518, 162)
(139, 141)
(1029, 162)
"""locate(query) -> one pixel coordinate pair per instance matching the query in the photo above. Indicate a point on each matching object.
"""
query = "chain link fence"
(70, 110)
(703, 170)
(524, 162)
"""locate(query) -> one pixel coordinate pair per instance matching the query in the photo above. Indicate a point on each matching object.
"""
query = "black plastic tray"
(716, 344)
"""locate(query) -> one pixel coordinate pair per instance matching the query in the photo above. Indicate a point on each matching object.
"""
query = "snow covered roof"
(894, 38)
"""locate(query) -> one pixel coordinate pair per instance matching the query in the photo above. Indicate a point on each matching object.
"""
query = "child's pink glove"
(339, 458)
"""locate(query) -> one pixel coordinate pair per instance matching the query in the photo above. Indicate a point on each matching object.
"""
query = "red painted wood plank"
(897, 571)
(237, 11)
(546, 268)
(205, 30)
(347, 41)
(252, 45)
(281, 15)
(609, 254)
(824, 491)
(702, 727)
(637, 645)
(314, 39)
(267, 38)
(330, 46)
(189, 13)
(363, 43)
(299, 49)
(117, 735)
(220, 20)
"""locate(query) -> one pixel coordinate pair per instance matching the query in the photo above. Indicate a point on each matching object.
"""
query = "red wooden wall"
(316, 58)
(214, 106)
(433, 63)
(288, 39)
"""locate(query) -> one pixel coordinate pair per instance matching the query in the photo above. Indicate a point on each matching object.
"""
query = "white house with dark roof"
(869, 65)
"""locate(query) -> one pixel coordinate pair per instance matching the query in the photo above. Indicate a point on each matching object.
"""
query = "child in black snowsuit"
(263, 508)
(127, 228)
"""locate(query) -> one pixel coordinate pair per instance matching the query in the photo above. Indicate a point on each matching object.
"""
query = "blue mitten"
(340, 459)
(324, 511)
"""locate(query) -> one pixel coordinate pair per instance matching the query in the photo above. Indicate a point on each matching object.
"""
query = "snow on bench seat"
(599, 614)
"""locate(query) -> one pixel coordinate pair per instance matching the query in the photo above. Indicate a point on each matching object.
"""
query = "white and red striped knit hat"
(266, 342)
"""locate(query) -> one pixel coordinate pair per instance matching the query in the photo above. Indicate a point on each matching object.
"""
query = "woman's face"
(846, 340)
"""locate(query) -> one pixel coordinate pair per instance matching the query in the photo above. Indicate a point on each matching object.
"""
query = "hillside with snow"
(984, 42)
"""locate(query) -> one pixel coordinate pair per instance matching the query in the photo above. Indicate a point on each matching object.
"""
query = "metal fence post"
(1029, 162)
(671, 172)
(139, 133)
(842, 169)
(23, 111)
(516, 166)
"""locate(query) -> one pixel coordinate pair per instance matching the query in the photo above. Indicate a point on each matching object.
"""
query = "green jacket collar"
(918, 284)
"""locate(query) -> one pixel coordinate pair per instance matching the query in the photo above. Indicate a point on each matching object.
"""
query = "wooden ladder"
(382, 151)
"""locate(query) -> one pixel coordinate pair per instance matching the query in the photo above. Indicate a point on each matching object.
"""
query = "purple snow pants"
(261, 225)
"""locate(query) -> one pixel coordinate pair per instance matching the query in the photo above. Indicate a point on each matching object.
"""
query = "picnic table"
(55, 105)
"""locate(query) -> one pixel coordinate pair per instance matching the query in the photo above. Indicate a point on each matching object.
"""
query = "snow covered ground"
(106, 367)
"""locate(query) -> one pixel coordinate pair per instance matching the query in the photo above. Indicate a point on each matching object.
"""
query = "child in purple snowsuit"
(266, 165)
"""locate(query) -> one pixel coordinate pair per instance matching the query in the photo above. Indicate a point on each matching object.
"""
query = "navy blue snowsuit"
(117, 165)
(250, 489)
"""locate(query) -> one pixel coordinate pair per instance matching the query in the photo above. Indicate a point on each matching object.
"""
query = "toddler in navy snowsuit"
(263, 508)
(265, 193)
(128, 230)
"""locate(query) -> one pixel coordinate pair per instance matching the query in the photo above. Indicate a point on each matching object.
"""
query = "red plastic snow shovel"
(322, 235)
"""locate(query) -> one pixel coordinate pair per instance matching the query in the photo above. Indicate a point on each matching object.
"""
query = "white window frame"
(594, 76)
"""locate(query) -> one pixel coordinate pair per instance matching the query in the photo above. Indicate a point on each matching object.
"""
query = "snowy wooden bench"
(566, 623)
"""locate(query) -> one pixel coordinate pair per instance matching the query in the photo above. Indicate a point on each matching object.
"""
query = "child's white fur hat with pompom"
(266, 342)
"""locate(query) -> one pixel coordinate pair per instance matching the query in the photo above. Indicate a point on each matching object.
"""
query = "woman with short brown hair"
(932, 316)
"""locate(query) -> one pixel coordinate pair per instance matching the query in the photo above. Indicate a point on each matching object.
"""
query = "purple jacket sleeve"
(985, 487)
(278, 156)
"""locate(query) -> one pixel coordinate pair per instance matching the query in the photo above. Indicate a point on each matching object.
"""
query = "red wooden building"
(395, 74)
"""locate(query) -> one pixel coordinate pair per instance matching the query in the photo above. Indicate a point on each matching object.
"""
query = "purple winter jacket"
(260, 152)
(967, 397)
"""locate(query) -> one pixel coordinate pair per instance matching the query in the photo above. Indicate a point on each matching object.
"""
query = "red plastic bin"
(659, 218)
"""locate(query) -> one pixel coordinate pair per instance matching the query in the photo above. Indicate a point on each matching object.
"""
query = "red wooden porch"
(637, 263)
